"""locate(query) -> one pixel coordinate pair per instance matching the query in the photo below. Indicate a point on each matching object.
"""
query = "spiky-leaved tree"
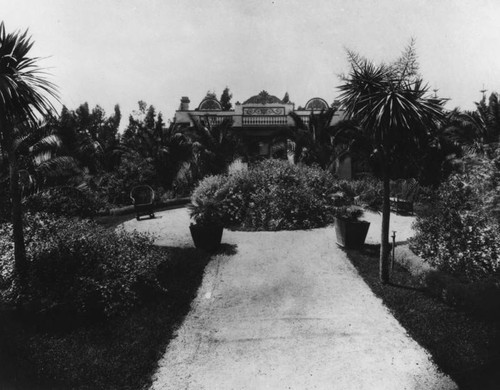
(390, 103)
(24, 93)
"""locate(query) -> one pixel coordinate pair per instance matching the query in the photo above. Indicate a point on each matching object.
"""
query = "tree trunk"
(17, 214)
(384, 239)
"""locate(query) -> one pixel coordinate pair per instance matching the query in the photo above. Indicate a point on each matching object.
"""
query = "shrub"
(481, 297)
(66, 201)
(457, 235)
(274, 195)
(133, 170)
(205, 206)
(79, 268)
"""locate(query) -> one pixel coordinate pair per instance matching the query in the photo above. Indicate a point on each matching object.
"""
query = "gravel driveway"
(287, 310)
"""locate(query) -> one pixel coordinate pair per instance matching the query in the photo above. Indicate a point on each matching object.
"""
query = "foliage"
(349, 213)
(367, 192)
(390, 104)
(463, 346)
(457, 234)
(89, 136)
(275, 195)
(65, 201)
(119, 353)
(24, 93)
(318, 142)
(79, 268)
(205, 207)
(478, 297)
(166, 148)
(115, 187)
(225, 99)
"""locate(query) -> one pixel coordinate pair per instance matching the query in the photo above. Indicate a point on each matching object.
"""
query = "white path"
(287, 311)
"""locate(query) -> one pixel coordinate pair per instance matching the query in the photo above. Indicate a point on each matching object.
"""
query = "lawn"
(121, 353)
(464, 346)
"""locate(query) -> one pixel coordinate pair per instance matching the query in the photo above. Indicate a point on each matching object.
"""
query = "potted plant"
(350, 230)
(207, 227)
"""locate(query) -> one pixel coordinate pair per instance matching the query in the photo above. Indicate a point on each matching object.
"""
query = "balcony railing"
(214, 120)
(305, 119)
(264, 120)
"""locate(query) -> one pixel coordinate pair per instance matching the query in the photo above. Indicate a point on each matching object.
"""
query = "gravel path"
(287, 311)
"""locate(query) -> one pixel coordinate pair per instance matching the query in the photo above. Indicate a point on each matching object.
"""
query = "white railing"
(305, 119)
(212, 119)
(263, 120)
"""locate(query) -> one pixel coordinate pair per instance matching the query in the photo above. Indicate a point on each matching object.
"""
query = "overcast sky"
(121, 51)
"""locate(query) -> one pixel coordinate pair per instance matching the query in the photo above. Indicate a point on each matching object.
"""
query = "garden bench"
(142, 198)
(404, 194)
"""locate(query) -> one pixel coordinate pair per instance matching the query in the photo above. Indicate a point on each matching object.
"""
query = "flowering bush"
(274, 195)
(79, 268)
(458, 235)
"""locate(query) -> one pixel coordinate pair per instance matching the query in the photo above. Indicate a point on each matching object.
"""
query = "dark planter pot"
(351, 234)
(206, 237)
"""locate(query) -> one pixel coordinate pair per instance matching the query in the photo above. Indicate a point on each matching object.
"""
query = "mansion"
(259, 119)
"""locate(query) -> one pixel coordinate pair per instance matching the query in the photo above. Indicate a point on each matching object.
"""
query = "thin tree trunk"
(384, 239)
(17, 214)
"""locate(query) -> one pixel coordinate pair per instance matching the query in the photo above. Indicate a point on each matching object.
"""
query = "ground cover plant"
(274, 195)
(463, 345)
(92, 320)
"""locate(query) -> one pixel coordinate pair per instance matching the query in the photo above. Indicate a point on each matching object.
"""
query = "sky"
(109, 52)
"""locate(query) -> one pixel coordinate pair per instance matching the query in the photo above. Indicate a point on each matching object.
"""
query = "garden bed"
(119, 353)
(464, 346)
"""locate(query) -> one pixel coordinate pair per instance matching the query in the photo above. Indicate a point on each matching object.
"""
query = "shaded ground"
(120, 353)
(465, 346)
(286, 311)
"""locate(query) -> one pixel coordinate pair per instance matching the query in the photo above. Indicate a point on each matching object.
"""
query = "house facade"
(259, 120)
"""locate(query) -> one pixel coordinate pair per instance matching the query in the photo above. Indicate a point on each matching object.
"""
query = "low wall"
(168, 204)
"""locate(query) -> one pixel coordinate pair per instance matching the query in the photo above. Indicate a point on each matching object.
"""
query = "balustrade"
(264, 120)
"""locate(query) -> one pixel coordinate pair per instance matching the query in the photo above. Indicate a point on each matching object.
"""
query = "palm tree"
(214, 145)
(389, 102)
(24, 94)
(312, 142)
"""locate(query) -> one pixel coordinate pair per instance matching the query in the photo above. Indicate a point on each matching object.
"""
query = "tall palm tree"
(24, 94)
(389, 102)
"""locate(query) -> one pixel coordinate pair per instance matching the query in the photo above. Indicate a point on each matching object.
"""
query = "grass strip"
(464, 346)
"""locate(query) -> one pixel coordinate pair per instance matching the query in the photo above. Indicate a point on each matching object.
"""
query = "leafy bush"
(205, 206)
(79, 268)
(457, 235)
(274, 195)
(368, 192)
(133, 171)
(66, 201)
(480, 297)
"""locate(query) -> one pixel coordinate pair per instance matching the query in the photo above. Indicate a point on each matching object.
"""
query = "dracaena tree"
(25, 93)
(389, 101)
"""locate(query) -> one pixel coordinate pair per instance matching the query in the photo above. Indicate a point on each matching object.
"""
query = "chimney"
(184, 104)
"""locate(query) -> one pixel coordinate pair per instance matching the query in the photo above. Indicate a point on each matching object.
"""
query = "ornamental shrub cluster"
(273, 195)
(458, 235)
(79, 268)
(65, 201)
